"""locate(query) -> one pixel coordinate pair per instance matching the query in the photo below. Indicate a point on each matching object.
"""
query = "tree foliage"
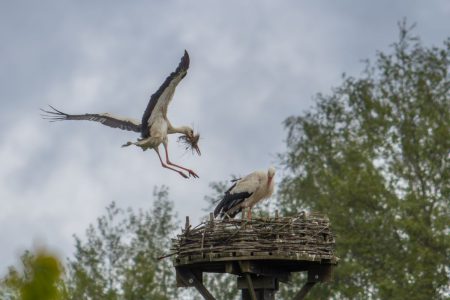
(374, 156)
(38, 277)
(118, 260)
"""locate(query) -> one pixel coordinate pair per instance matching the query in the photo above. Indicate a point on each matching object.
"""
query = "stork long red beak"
(197, 149)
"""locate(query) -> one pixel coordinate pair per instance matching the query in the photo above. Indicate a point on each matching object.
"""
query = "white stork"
(245, 193)
(154, 127)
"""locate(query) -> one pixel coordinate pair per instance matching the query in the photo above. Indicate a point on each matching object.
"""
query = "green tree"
(118, 260)
(374, 156)
(38, 277)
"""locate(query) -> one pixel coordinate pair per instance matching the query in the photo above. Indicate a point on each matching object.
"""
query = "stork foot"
(193, 174)
(182, 174)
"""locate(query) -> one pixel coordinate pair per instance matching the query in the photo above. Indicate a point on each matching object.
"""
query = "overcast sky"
(253, 64)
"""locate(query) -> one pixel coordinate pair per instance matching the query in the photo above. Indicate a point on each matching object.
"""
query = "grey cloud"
(252, 65)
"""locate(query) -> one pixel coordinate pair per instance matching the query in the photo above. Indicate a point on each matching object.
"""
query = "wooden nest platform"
(305, 237)
(261, 251)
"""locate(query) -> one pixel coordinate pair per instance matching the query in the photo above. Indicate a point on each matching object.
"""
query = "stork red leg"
(191, 173)
(167, 167)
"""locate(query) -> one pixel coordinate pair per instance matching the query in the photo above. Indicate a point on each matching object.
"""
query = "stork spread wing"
(105, 118)
(164, 94)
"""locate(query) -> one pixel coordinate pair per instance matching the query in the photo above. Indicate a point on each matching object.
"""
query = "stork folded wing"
(229, 202)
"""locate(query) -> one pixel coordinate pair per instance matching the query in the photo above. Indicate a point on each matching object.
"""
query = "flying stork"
(154, 127)
(245, 193)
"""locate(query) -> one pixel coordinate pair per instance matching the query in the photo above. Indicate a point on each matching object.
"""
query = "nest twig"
(190, 142)
(304, 234)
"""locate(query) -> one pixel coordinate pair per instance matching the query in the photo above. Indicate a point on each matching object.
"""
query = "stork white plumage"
(154, 127)
(245, 193)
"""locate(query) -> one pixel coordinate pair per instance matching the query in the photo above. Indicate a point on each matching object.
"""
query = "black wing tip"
(185, 60)
(227, 214)
(53, 114)
(218, 209)
(53, 111)
(229, 202)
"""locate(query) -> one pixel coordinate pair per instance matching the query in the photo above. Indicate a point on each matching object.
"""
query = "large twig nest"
(307, 235)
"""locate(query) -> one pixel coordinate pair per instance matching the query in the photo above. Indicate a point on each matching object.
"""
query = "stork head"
(189, 139)
(270, 174)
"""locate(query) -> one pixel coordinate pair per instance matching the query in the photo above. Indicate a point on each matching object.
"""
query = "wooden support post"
(260, 287)
(263, 294)
(203, 291)
(256, 287)
(188, 278)
(304, 290)
(250, 289)
(316, 274)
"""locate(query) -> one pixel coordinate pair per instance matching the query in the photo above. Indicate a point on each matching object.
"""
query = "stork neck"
(182, 129)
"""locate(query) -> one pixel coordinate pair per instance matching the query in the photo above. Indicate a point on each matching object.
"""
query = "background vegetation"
(373, 155)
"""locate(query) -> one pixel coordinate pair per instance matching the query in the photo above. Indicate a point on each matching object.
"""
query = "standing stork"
(154, 127)
(245, 193)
